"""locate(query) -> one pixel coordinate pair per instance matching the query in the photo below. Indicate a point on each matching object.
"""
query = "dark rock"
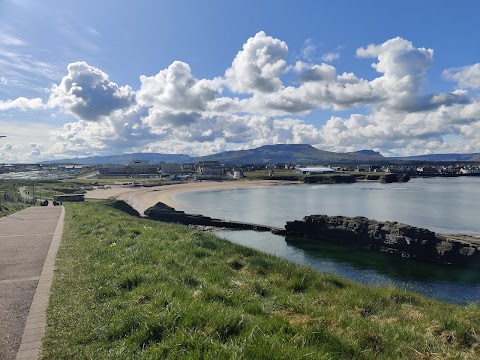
(162, 212)
(391, 178)
(391, 237)
(403, 177)
(123, 206)
(329, 179)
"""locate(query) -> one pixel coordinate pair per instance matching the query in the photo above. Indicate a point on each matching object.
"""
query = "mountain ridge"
(279, 153)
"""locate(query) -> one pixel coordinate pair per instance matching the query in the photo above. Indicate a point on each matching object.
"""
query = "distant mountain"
(475, 157)
(287, 153)
(367, 153)
(281, 153)
(124, 159)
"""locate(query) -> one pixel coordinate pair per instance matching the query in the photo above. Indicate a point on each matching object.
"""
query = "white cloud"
(308, 50)
(16, 60)
(10, 40)
(322, 72)
(331, 56)
(176, 89)
(35, 150)
(466, 76)
(173, 111)
(7, 147)
(257, 67)
(22, 103)
(89, 94)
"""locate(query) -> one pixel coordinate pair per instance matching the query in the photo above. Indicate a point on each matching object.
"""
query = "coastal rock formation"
(162, 212)
(391, 178)
(391, 237)
(123, 206)
(330, 179)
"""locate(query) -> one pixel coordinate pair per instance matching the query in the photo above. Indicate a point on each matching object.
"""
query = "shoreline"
(144, 197)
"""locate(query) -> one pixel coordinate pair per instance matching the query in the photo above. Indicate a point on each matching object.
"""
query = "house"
(426, 170)
(237, 174)
(142, 167)
(170, 169)
(114, 170)
(314, 170)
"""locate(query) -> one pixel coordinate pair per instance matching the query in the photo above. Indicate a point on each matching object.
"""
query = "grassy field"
(11, 202)
(131, 288)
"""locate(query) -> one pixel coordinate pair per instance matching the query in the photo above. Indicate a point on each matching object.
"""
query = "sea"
(446, 205)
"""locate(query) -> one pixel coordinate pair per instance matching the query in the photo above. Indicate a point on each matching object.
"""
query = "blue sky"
(108, 77)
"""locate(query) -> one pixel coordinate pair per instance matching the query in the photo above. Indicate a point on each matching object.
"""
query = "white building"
(314, 170)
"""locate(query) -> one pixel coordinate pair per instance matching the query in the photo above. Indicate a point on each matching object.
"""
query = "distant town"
(214, 170)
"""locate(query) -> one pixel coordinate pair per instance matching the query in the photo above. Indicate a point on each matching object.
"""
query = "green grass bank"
(10, 200)
(131, 288)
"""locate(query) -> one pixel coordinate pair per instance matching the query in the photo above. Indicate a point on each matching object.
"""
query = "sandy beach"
(142, 198)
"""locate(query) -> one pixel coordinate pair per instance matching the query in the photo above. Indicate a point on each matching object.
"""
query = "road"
(25, 239)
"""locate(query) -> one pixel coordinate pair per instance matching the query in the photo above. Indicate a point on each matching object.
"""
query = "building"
(237, 174)
(142, 167)
(170, 169)
(470, 171)
(114, 170)
(426, 170)
(210, 168)
(315, 170)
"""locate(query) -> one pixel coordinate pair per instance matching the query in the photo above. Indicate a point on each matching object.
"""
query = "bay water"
(446, 205)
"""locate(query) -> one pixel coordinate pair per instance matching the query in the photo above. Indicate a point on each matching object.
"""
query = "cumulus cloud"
(121, 131)
(322, 72)
(466, 76)
(175, 89)
(258, 66)
(403, 67)
(254, 105)
(88, 93)
(7, 147)
(22, 103)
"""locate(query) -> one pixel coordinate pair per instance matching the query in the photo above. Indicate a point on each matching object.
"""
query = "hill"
(150, 290)
(475, 157)
(281, 153)
(153, 158)
(289, 153)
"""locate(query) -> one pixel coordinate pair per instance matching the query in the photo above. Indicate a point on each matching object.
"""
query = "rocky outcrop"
(391, 237)
(123, 206)
(162, 212)
(329, 179)
(391, 178)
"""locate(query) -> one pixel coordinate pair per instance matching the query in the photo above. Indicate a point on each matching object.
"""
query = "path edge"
(36, 320)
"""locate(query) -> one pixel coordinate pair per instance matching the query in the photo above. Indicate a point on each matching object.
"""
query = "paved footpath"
(29, 241)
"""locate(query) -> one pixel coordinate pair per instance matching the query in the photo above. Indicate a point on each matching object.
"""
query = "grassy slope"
(10, 207)
(126, 287)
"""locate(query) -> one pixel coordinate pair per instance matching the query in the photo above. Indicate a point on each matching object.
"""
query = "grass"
(130, 288)
(10, 201)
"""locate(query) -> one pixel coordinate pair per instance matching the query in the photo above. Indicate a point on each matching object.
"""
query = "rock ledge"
(391, 237)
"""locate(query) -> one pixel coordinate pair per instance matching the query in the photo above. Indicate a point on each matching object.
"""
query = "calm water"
(449, 205)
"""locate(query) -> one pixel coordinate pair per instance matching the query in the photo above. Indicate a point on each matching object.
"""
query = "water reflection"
(454, 285)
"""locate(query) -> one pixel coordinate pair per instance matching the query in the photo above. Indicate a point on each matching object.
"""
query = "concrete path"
(29, 240)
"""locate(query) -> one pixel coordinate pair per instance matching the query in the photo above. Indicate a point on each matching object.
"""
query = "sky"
(196, 77)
